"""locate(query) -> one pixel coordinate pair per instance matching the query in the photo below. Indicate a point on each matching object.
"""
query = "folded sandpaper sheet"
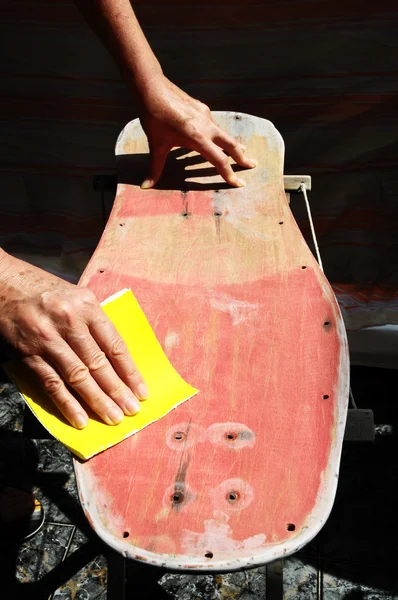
(166, 387)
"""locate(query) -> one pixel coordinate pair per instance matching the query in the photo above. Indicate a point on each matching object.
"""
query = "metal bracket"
(292, 183)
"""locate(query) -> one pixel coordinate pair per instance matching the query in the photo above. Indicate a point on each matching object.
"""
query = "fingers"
(101, 370)
(110, 342)
(56, 389)
(78, 361)
(199, 132)
(235, 150)
(78, 376)
(216, 157)
(158, 156)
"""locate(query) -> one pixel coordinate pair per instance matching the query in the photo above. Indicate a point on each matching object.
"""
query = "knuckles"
(88, 296)
(134, 377)
(118, 348)
(77, 375)
(67, 309)
(52, 384)
(97, 361)
(205, 108)
(223, 161)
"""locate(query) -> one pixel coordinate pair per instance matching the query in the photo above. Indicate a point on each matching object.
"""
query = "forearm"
(115, 23)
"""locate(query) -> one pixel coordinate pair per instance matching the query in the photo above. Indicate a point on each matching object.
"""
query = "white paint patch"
(217, 537)
(239, 310)
(171, 340)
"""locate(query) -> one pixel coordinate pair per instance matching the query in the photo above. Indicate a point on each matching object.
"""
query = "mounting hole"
(180, 436)
(280, 222)
(238, 117)
(230, 436)
(177, 497)
(209, 555)
(122, 224)
(233, 496)
(303, 267)
(185, 214)
(101, 270)
(126, 534)
(218, 213)
(326, 323)
(290, 527)
(325, 396)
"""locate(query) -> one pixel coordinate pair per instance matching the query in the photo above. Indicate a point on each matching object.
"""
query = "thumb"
(157, 159)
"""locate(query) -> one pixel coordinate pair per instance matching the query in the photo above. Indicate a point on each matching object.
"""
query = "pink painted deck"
(246, 471)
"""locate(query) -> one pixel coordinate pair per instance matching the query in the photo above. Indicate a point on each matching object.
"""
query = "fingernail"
(253, 162)
(142, 391)
(115, 415)
(81, 421)
(145, 185)
(241, 182)
(132, 406)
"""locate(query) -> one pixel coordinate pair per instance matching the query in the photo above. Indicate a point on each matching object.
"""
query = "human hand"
(61, 332)
(170, 118)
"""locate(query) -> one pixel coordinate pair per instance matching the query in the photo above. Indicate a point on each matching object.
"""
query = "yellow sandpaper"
(166, 388)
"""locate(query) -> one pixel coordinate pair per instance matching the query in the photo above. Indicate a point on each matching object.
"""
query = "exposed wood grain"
(246, 471)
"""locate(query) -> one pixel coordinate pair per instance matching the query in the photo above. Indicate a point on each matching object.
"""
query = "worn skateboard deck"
(246, 471)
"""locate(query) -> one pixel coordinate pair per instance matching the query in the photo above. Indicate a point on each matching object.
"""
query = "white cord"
(303, 188)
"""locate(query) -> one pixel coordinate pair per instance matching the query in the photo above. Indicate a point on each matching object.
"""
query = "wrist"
(143, 84)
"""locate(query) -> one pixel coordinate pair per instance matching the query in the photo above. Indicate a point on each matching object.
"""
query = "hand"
(171, 118)
(63, 335)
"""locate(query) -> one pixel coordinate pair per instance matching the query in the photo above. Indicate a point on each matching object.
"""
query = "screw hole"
(238, 117)
(209, 555)
(326, 323)
(303, 267)
(325, 396)
(179, 435)
(126, 534)
(231, 436)
(233, 496)
(217, 213)
(185, 214)
(101, 270)
(177, 497)
(122, 224)
(280, 222)
(290, 527)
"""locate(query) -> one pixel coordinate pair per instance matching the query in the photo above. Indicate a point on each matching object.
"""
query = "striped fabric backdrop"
(324, 71)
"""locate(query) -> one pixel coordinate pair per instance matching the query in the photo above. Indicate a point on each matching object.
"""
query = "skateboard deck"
(246, 471)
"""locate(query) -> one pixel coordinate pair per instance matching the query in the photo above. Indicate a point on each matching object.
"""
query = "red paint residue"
(268, 369)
